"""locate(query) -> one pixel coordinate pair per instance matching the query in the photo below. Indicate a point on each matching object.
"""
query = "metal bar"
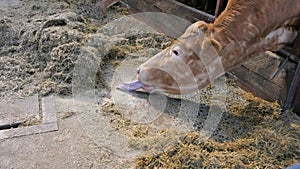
(219, 6)
(206, 5)
(292, 91)
(296, 80)
(9, 126)
(280, 68)
(284, 53)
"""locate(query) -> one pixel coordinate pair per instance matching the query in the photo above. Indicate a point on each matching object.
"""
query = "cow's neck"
(241, 33)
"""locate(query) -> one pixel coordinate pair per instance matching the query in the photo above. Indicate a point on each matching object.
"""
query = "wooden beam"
(256, 84)
(254, 76)
(169, 7)
(106, 3)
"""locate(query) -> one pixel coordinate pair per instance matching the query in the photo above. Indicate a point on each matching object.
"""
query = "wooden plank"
(106, 3)
(254, 76)
(256, 84)
(161, 24)
(169, 25)
(170, 7)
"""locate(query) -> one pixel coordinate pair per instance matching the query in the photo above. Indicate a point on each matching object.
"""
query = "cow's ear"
(210, 44)
(201, 25)
(197, 27)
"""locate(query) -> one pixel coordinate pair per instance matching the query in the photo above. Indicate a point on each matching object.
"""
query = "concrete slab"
(15, 111)
(47, 120)
(6, 4)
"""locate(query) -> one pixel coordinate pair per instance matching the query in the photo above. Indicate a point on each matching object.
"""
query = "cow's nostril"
(138, 71)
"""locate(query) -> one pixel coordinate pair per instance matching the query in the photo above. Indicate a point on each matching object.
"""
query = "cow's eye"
(176, 51)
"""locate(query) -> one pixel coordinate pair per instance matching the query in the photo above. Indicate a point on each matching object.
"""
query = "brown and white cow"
(205, 51)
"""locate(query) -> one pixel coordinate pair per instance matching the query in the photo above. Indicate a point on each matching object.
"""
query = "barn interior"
(59, 107)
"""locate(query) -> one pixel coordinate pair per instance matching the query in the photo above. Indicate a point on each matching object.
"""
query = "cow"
(207, 50)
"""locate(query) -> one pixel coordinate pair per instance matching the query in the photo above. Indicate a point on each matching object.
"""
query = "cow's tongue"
(130, 86)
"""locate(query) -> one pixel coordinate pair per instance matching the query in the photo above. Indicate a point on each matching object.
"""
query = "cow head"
(188, 65)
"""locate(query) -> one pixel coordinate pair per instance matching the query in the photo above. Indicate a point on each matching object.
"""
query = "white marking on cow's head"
(186, 66)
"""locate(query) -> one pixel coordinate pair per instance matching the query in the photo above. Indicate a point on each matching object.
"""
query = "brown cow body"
(255, 26)
(205, 51)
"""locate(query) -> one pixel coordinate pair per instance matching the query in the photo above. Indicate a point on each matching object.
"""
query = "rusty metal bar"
(219, 7)
(292, 91)
(206, 5)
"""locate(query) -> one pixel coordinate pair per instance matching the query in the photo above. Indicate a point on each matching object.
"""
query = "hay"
(251, 133)
(272, 142)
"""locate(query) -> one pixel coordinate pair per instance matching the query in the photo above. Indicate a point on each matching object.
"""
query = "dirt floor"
(79, 53)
